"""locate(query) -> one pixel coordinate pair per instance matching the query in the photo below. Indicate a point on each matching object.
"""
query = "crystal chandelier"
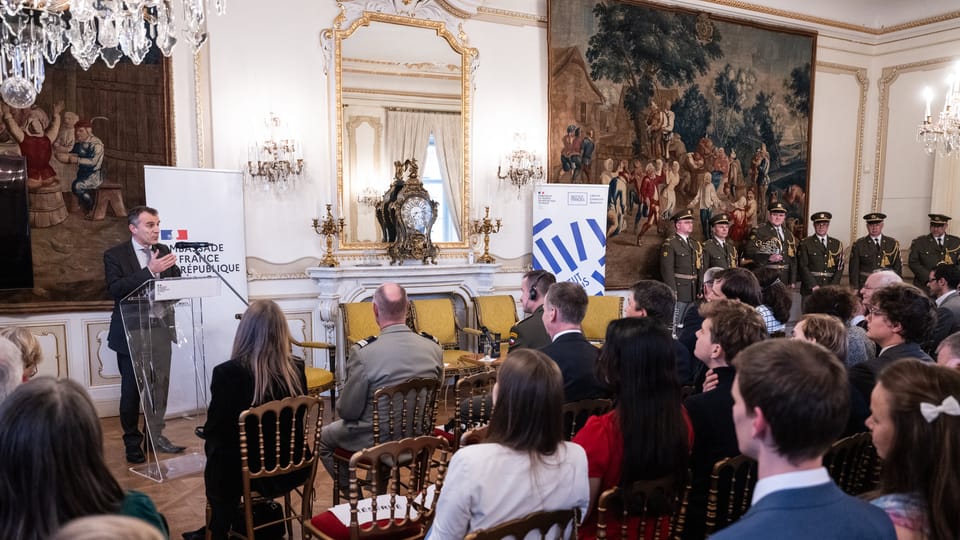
(276, 159)
(522, 166)
(942, 134)
(34, 31)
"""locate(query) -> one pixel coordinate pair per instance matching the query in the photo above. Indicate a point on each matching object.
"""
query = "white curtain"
(408, 135)
(448, 137)
(945, 196)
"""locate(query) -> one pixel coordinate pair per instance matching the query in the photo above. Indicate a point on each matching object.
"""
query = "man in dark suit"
(819, 257)
(927, 251)
(873, 252)
(127, 266)
(942, 286)
(728, 327)
(529, 333)
(899, 318)
(650, 298)
(563, 311)
(790, 403)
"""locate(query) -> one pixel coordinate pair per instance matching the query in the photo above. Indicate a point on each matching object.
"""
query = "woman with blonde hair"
(29, 348)
(915, 423)
(261, 369)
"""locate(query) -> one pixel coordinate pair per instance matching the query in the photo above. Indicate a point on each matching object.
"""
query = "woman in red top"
(649, 424)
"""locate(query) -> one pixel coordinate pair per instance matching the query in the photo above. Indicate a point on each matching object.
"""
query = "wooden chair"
(472, 403)
(600, 311)
(731, 489)
(276, 439)
(563, 523)
(854, 464)
(498, 313)
(650, 503)
(320, 380)
(436, 317)
(408, 409)
(575, 413)
(410, 489)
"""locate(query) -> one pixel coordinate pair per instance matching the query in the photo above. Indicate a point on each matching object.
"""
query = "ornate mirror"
(402, 91)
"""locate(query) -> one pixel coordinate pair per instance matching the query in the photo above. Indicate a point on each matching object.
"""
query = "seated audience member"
(11, 368)
(261, 369)
(875, 281)
(728, 328)
(790, 401)
(948, 353)
(106, 527)
(942, 286)
(650, 298)
(393, 357)
(563, 312)
(899, 319)
(915, 423)
(739, 284)
(523, 465)
(775, 301)
(830, 332)
(530, 333)
(29, 348)
(648, 435)
(691, 320)
(842, 303)
(51, 463)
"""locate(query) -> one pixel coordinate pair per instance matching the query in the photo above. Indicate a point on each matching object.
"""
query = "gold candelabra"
(486, 228)
(328, 228)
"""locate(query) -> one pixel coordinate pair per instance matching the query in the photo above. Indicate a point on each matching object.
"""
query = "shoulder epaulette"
(428, 336)
(513, 338)
(366, 341)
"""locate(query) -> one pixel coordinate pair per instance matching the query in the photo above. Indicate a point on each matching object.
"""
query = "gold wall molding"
(397, 74)
(527, 18)
(860, 74)
(430, 95)
(887, 77)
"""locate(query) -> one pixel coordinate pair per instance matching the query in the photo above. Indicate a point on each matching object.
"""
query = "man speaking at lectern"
(128, 266)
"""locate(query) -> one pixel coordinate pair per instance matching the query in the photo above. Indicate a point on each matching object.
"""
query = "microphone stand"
(204, 258)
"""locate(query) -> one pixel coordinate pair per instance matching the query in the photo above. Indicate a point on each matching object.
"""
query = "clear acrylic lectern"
(161, 317)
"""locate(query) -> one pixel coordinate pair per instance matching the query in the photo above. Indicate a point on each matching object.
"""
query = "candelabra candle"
(329, 228)
(486, 228)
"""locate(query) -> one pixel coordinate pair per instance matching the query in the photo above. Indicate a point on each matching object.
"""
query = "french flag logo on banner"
(173, 234)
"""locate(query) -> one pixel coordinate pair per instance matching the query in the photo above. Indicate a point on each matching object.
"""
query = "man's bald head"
(390, 304)
(878, 280)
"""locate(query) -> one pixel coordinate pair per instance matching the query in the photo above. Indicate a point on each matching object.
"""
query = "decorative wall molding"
(101, 361)
(860, 74)
(52, 336)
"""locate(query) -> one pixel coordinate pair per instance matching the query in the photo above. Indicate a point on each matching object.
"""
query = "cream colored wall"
(262, 61)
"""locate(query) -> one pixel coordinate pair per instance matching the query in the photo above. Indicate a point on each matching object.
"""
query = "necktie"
(940, 242)
(780, 234)
(878, 243)
(146, 251)
(824, 242)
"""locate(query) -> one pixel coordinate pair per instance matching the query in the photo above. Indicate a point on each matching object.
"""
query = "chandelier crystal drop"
(34, 31)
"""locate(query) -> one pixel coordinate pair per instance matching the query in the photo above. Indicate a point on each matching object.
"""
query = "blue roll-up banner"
(569, 233)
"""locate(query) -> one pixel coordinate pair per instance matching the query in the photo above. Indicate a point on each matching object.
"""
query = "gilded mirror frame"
(468, 59)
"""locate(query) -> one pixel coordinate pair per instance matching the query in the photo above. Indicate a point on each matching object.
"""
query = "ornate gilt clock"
(415, 213)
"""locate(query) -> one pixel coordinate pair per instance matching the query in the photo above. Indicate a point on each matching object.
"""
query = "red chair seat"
(437, 432)
(330, 525)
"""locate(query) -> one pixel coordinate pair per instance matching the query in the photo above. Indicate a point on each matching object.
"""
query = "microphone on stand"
(193, 245)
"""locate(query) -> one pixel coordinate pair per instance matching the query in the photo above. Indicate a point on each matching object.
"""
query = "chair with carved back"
(320, 380)
(576, 413)
(278, 455)
(408, 409)
(472, 403)
(658, 504)
(407, 492)
(551, 524)
(853, 464)
(731, 490)
(600, 311)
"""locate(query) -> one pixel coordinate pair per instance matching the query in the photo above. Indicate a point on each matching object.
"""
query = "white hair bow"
(949, 406)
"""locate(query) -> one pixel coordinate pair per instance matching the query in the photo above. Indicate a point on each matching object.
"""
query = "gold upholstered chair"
(358, 323)
(436, 317)
(497, 313)
(600, 311)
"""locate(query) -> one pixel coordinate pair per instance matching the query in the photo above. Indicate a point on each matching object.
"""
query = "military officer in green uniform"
(530, 333)
(681, 262)
(719, 251)
(927, 251)
(773, 245)
(819, 257)
(873, 252)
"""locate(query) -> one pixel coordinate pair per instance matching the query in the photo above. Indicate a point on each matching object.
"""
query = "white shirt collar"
(822, 238)
(790, 480)
(943, 297)
(558, 334)
(876, 238)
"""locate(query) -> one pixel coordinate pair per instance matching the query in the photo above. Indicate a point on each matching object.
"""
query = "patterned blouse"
(773, 325)
(906, 510)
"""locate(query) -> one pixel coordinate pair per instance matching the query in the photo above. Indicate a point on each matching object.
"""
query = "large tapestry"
(676, 109)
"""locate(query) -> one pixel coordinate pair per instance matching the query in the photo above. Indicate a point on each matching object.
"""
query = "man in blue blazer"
(790, 403)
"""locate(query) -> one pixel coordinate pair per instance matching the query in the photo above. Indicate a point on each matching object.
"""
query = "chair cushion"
(443, 433)
(329, 524)
(318, 378)
(436, 317)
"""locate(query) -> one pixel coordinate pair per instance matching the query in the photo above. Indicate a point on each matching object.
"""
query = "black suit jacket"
(123, 274)
(863, 376)
(577, 359)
